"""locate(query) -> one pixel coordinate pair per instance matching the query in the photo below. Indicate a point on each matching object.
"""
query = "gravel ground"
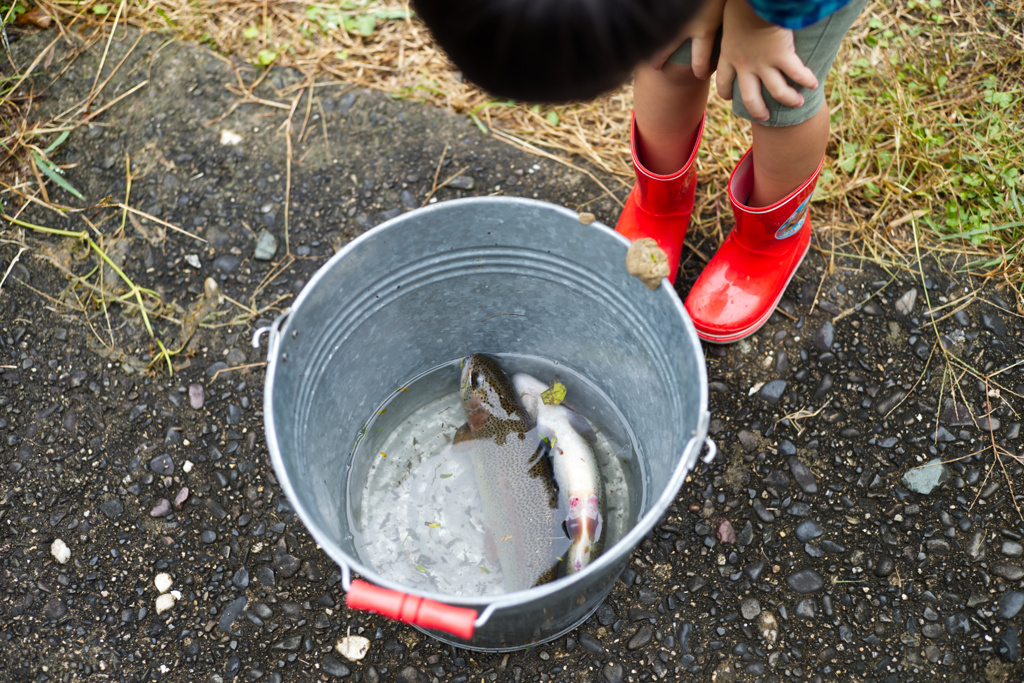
(144, 536)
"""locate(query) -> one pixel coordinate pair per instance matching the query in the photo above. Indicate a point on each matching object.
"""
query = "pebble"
(927, 477)
(994, 324)
(807, 608)
(161, 509)
(353, 648)
(805, 581)
(804, 478)
(1012, 549)
(266, 246)
(55, 609)
(590, 644)
(612, 672)
(182, 496)
(772, 391)
(164, 602)
(411, 674)
(885, 566)
(163, 582)
(905, 304)
(162, 464)
(334, 667)
(726, 534)
(641, 637)
(196, 396)
(1010, 572)
(1010, 604)
(825, 335)
(60, 551)
(750, 608)
(808, 530)
(112, 508)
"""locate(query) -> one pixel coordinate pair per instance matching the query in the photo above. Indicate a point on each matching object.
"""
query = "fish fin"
(462, 434)
(580, 424)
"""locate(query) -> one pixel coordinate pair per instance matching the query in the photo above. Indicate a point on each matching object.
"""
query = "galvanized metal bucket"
(437, 284)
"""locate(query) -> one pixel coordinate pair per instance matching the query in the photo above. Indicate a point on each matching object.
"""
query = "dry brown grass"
(926, 102)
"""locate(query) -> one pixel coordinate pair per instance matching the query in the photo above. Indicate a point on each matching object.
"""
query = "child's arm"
(756, 52)
(701, 31)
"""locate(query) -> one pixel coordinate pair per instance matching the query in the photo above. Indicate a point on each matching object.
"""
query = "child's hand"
(755, 52)
(701, 30)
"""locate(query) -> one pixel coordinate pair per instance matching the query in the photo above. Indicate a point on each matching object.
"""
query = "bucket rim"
(625, 546)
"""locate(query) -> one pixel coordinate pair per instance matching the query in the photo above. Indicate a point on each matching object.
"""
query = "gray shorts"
(816, 45)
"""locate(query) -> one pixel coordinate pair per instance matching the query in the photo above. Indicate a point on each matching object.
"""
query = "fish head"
(487, 393)
(583, 525)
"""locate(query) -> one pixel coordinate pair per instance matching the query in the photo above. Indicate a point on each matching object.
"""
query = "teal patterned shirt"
(795, 14)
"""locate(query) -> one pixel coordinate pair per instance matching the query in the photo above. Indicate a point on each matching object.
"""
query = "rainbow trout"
(513, 472)
(575, 469)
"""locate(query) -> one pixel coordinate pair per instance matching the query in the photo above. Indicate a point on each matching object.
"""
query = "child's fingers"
(798, 72)
(700, 55)
(723, 80)
(750, 92)
(780, 89)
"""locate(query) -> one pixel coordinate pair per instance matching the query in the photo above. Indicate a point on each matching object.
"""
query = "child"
(772, 56)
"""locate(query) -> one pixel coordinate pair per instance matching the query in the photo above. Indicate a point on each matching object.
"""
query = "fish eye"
(474, 379)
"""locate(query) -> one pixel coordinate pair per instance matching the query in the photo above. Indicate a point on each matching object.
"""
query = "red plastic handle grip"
(412, 609)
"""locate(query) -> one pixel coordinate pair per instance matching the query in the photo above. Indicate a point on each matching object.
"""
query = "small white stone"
(188, 465)
(229, 137)
(193, 260)
(163, 582)
(353, 647)
(164, 603)
(60, 551)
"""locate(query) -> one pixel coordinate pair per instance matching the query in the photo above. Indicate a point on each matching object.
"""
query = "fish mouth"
(583, 525)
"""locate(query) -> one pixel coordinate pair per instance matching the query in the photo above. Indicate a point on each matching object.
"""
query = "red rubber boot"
(743, 282)
(659, 206)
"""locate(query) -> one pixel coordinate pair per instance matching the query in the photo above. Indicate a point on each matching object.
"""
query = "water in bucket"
(417, 511)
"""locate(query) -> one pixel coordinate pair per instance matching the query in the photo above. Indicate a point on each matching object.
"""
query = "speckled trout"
(513, 472)
(575, 470)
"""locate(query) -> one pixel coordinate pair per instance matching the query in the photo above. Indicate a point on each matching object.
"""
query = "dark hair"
(552, 50)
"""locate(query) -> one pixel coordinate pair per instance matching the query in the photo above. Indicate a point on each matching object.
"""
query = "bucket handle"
(413, 609)
(273, 330)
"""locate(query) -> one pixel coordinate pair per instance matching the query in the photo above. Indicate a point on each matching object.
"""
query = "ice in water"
(416, 507)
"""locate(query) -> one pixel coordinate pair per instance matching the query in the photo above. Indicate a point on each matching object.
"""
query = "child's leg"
(668, 104)
(786, 157)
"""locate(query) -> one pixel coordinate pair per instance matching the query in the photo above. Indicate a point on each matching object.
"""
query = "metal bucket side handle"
(413, 609)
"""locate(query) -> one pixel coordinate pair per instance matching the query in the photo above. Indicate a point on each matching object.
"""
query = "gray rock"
(196, 396)
(112, 508)
(162, 464)
(1010, 572)
(750, 608)
(612, 672)
(1010, 604)
(231, 612)
(334, 667)
(804, 478)
(927, 477)
(805, 581)
(266, 246)
(772, 391)
(905, 304)
(825, 335)
(808, 530)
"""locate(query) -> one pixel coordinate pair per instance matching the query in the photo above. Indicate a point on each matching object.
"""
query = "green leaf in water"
(446, 475)
(433, 525)
(484, 569)
(421, 568)
(554, 395)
